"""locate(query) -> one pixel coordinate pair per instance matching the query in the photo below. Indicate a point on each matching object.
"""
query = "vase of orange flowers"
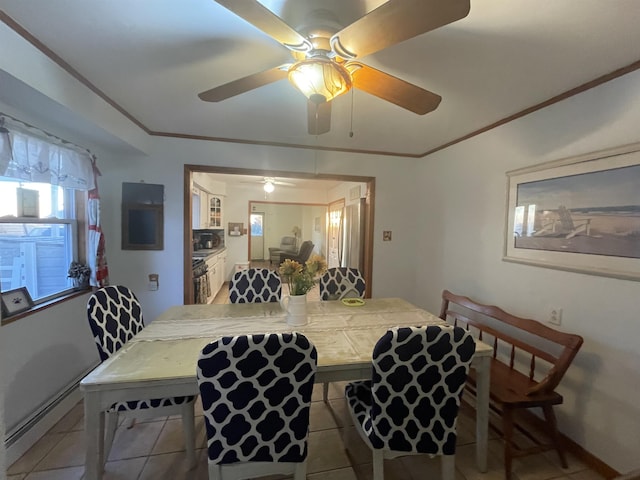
(300, 279)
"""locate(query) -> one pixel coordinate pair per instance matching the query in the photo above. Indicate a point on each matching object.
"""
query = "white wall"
(318, 237)
(43, 354)
(461, 227)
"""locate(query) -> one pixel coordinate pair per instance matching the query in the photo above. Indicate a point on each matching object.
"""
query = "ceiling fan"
(327, 56)
(268, 183)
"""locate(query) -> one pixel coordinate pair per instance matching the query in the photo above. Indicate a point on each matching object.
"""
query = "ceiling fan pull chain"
(351, 124)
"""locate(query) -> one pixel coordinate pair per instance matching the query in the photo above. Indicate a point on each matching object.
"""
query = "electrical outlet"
(555, 316)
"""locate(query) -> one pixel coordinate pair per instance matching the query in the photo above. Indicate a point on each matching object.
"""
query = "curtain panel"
(96, 254)
(30, 158)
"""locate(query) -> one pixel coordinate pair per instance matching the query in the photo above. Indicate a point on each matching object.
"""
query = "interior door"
(334, 233)
(257, 236)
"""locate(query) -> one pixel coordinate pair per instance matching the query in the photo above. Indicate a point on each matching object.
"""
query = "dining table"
(160, 360)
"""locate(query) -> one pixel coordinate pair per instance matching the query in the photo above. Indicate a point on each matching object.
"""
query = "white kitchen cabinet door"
(204, 209)
(196, 211)
(212, 271)
(215, 211)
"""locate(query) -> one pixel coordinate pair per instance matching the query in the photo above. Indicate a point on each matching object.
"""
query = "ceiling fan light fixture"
(320, 79)
(268, 186)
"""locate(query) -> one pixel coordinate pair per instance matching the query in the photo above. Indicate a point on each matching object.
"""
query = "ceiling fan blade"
(285, 184)
(243, 85)
(394, 90)
(319, 117)
(264, 19)
(396, 21)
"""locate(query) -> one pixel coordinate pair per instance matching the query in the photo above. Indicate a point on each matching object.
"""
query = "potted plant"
(79, 274)
(300, 279)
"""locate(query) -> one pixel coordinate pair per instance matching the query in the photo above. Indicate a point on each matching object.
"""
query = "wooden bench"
(529, 360)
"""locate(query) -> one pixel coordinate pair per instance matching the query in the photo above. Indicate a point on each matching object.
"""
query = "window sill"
(44, 305)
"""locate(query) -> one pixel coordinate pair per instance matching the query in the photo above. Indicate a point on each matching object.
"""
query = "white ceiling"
(152, 58)
(257, 182)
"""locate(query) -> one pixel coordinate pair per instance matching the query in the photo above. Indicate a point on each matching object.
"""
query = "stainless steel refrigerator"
(352, 245)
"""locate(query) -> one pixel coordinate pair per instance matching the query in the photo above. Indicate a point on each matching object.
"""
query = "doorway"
(256, 176)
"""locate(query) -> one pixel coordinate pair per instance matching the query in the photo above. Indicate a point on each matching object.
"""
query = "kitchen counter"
(206, 252)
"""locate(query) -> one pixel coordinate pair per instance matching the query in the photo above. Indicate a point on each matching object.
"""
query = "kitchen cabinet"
(196, 212)
(207, 208)
(204, 210)
(216, 267)
(215, 211)
(212, 271)
(222, 264)
(200, 208)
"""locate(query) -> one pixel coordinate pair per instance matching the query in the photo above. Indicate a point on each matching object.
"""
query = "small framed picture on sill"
(16, 301)
(28, 202)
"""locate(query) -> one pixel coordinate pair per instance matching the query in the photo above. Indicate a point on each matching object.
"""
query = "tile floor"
(153, 450)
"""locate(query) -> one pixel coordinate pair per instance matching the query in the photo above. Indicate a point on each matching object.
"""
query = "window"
(36, 251)
(256, 225)
(44, 185)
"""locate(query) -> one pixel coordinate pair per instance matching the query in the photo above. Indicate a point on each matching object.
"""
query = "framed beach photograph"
(15, 301)
(578, 214)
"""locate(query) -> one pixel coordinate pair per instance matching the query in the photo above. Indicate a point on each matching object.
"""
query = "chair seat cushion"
(150, 403)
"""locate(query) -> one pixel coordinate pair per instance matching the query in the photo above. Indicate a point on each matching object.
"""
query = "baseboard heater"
(17, 432)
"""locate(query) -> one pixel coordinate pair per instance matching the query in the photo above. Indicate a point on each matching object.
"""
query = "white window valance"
(30, 158)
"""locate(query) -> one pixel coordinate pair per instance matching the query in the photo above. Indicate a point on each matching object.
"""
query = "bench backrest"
(517, 333)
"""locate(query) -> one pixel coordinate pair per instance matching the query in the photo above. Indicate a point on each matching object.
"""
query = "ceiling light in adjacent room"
(268, 186)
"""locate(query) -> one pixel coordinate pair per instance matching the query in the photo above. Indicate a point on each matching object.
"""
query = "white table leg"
(188, 424)
(483, 372)
(94, 433)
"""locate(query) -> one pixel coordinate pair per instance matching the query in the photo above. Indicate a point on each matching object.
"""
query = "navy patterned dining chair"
(256, 395)
(338, 283)
(341, 282)
(255, 285)
(115, 316)
(410, 405)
